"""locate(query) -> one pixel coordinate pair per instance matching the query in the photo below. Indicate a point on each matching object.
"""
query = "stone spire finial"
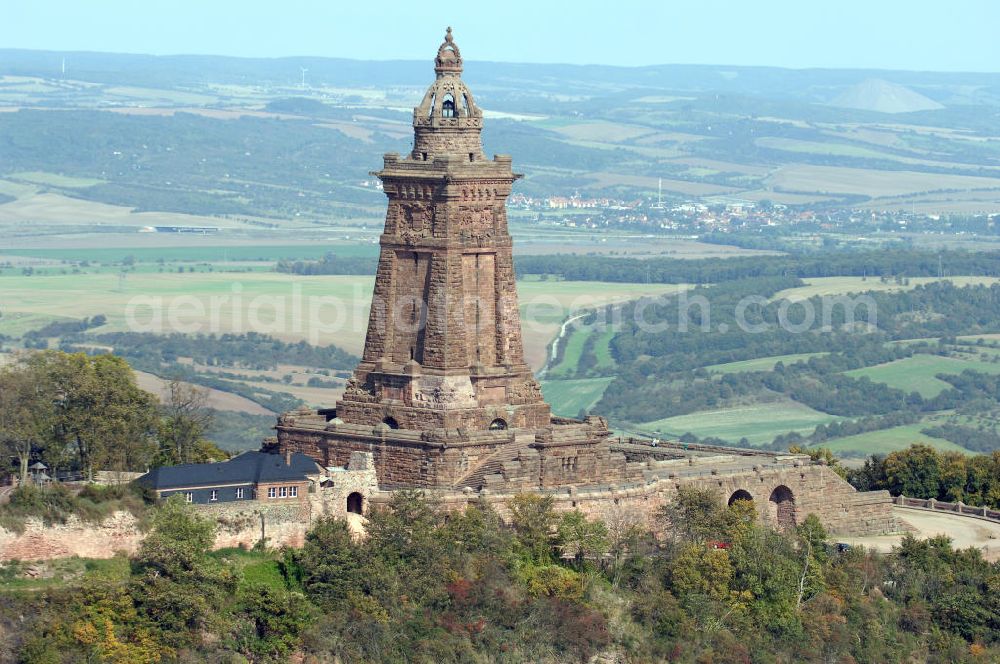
(449, 58)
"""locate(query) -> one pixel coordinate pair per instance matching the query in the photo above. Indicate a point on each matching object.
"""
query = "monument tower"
(442, 395)
(442, 398)
(443, 348)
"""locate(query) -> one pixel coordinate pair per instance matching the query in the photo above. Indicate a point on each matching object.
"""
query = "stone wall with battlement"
(812, 488)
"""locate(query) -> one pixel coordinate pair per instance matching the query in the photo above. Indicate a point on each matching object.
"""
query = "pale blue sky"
(952, 35)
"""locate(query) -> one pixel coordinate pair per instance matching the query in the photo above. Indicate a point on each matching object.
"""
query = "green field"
(574, 347)
(569, 397)
(758, 423)
(55, 179)
(209, 254)
(888, 440)
(572, 350)
(318, 309)
(845, 285)
(917, 373)
(602, 350)
(759, 363)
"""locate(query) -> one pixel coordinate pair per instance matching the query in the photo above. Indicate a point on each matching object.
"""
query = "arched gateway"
(740, 494)
(355, 503)
(781, 506)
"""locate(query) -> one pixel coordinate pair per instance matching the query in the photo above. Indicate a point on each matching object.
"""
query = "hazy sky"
(951, 35)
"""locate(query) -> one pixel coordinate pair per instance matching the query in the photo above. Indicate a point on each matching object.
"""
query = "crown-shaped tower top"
(449, 58)
(447, 121)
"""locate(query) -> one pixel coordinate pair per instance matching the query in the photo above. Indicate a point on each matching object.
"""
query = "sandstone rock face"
(119, 532)
(237, 525)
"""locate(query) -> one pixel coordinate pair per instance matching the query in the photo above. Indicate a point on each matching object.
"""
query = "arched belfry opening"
(499, 424)
(391, 422)
(448, 107)
(739, 494)
(781, 506)
(355, 503)
(448, 121)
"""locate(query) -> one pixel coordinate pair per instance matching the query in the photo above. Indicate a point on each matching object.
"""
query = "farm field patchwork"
(759, 363)
(569, 397)
(845, 285)
(759, 423)
(319, 309)
(888, 440)
(917, 373)
(870, 182)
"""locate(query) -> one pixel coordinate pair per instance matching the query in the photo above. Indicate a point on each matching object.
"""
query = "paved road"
(964, 531)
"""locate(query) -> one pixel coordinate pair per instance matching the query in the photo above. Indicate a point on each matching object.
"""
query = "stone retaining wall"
(815, 489)
(119, 532)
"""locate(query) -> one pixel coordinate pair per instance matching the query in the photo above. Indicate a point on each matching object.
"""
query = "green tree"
(177, 585)
(26, 412)
(696, 569)
(533, 520)
(811, 542)
(268, 623)
(914, 471)
(186, 419)
(178, 544)
(331, 563)
(953, 476)
(694, 515)
(581, 538)
(100, 413)
(477, 531)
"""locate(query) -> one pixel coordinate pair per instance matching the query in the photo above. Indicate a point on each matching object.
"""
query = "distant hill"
(876, 94)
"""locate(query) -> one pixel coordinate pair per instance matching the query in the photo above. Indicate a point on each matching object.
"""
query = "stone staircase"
(494, 463)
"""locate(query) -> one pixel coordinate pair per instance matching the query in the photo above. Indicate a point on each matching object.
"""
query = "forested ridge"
(660, 370)
(875, 264)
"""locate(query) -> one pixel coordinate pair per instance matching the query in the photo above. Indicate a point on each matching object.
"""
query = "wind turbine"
(304, 70)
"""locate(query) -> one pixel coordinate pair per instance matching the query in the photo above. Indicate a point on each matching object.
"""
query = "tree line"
(887, 262)
(251, 350)
(533, 584)
(660, 372)
(920, 471)
(331, 263)
(81, 413)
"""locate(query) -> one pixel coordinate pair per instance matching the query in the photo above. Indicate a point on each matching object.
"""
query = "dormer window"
(448, 107)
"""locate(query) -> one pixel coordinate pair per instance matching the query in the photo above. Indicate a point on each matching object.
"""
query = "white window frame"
(239, 492)
(293, 492)
(272, 492)
(214, 497)
(189, 496)
(283, 492)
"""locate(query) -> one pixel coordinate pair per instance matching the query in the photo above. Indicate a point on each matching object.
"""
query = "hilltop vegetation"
(81, 414)
(538, 586)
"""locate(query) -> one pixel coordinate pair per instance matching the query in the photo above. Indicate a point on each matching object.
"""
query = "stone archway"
(740, 494)
(781, 506)
(355, 503)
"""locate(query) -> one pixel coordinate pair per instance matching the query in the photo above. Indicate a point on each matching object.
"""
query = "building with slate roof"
(246, 477)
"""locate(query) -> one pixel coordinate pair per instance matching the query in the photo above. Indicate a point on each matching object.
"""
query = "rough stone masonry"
(443, 399)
